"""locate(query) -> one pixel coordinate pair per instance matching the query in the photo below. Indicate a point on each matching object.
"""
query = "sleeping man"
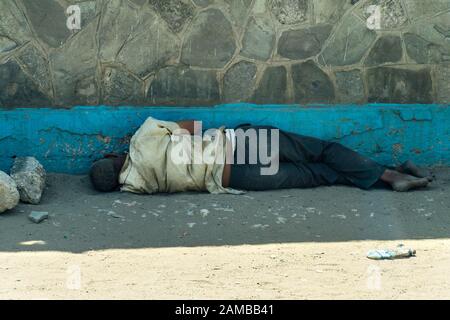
(173, 157)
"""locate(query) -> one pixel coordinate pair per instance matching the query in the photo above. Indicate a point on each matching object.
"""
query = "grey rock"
(175, 12)
(351, 41)
(421, 50)
(17, 89)
(443, 83)
(420, 8)
(330, 11)
(303, 43)
(239, 11)
(350, 86)
(135, 38)
(182, 85)
(289, 11)
(38, 216)
(386, 49)
(119, 20)
(121, 87)
(30, 177)
(13, 23)
(36, 65)
(311, 84)
(139, 2)
(86, 91)
(72, 65)
(398, 85)
(212, 46)
(393, 14)
(89, 10)
(6, 44)
(239, 82)
(203, 3)
(49, 21)
(273, 86)
(9, 196)
(151, 49)
(259, 39)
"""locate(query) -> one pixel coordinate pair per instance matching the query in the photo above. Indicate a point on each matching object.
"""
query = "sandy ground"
(290, 244)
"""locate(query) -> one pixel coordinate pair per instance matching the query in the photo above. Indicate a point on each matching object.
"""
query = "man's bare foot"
(401, 182)
(410, 168)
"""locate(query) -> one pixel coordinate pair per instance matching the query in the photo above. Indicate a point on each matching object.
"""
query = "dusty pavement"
(290, 244)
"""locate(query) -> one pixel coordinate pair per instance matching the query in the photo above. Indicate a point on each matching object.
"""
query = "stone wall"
(204, 52)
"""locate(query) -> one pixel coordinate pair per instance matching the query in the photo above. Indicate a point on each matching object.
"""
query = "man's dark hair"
(104, 175)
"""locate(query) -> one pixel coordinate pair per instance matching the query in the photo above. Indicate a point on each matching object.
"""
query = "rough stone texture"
(290, 11)
(181, 85)
(443, 84)
(212, 46)
(36, 64)
(393, 14)
(48, 20)
(386, 49)
(17, 89)
(419, 8)
(272, 87)
(9, 196)
(38, 216)
(350, 86)
(13, 22)
(351, 42)
(239, 81)
(398, 85)
(330, 10)
(6, 44)
(259, 39)
(30, 177)
(311, 84)
(74, 70)
(174, 12)
(304, 43)
(239, 11)
(421, 50)
(121, 87)
(124, 44)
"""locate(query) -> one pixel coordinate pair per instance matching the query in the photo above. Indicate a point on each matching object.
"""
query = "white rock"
(29, 176)
(9, 196)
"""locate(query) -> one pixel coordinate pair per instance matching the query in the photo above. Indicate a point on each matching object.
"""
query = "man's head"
(105, 173)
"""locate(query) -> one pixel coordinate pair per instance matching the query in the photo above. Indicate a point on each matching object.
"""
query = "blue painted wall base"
(68, 140)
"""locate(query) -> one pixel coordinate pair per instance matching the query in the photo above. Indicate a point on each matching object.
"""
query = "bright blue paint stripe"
(68, 140)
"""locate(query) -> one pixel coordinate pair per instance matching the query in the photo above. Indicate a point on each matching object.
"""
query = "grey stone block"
(17, 89)
(304, 43)
(387, 49)
(29, 176)
(399, 85)
(273, 86)
(6, 44)
(289, 11)
(9, 196)
(259, 39)
(37, 216)
(311, 84)
(239, 81)
(209, 42)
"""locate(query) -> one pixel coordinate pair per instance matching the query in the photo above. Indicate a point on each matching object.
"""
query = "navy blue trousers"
(305, 162)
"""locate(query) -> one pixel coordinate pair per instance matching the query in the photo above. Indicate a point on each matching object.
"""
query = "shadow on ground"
(82, 219)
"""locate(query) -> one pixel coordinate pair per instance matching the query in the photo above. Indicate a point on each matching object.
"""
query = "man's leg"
(290, 175)
(347, 165)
